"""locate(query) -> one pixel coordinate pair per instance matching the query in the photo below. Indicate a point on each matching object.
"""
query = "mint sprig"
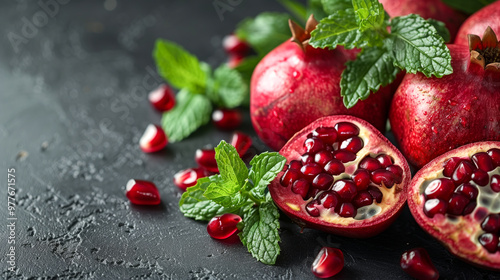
(242, 191)
(414, 45)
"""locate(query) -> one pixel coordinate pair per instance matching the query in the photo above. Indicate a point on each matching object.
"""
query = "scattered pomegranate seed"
(153, 139)
(234, 45)
(142, 192)
(418, 264)
(242, 142)
(188, 177)
(226, 119)
(206, 159)
(328, 262)
(234, 61)
(162, 98)
(222, 227)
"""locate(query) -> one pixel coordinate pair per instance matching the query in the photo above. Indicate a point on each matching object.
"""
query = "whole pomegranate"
(455, 199)
(478, 22)
(296, 84)
(430, 116)
(342, 176)
(434, 9)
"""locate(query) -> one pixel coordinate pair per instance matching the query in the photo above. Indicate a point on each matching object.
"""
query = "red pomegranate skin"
(291, 87)
(430, 116)
(434, 9)
(478, 22)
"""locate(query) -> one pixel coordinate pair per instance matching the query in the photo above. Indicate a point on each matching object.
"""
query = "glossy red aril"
(357, 196)
(226, 119)
(328, 262)
(162, 98)
(153, 139)
(224, 226)
(142, 192)
(234, 45)
(205, 158)
(418, 264)
(188, 177)
(242, 142)
(449, 204)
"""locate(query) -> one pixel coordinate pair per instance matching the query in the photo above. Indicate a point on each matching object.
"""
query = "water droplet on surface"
(452, 102)
(466, 107)
(463, 122)
(296, 74)
(434, 129)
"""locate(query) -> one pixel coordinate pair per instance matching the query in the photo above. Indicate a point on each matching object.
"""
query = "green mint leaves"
(241, 191)
(199, 89)
(414, 45)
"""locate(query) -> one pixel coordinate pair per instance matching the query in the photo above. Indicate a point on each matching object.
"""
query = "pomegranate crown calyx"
(300, 35)
(486, 51)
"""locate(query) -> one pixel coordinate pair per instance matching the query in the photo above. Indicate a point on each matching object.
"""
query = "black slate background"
(73, 106)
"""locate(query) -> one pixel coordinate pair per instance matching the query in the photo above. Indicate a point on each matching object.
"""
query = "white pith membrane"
(460, 233)
(365, 213)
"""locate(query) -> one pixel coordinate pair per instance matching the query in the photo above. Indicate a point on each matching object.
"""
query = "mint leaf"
(264, 169)
(189, 113)
(331, 6)
(440, 29)
(374, 67)
(227, 89)
(295, 8)
(225, 194)
(231, 167)
(418, 48)
(468, 6)
(194, 204)
(265, 32)
(315, 7)
(369, 13)
(178, 67)
(260, 233)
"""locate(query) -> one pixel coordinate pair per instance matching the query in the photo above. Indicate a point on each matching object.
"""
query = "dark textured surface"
(73, 105)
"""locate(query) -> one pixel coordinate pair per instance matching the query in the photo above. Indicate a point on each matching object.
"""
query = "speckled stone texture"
(72, 109)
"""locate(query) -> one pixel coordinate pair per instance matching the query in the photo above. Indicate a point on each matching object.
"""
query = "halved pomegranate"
(343, 176)
(455, 199)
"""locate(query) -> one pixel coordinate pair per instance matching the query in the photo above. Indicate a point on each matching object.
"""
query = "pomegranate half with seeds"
(456, 199)
(342, 176)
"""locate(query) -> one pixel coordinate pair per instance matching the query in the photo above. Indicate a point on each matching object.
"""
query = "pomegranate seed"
(346, 189)
(334, 167)
(353, 144)
(483, 161)
(491, 223)
(242, 142)
(347, 210)
(322, 181)
(363, 198)
(234, 45)
(495, 183)
(495, 156)
(329, 199)
(328, 262)
(480, 177)
(397, 171)
(418, 264)
(290, 176)
(361, 178)
(310, 170)
(468, 190)
(327, 134)
(206, 159)
(301, 187)
(450, 165)
(295, 164)
(489, 241)
(376, 193)
(188, 177)
(307, 158)
(469, 208)
(346, 130)
(162, 98)
(226, 119)
(439, 188)
(153, 139)
(344, 156)
(313, 145)
(142, 192)
(235, 60)
(370, 164)
(457, 203)
(435, 206)
(313, 192)
(222, 227)
(463, 172)
(385, 161)
(383, 176)
(323, 157)
(312, 208)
